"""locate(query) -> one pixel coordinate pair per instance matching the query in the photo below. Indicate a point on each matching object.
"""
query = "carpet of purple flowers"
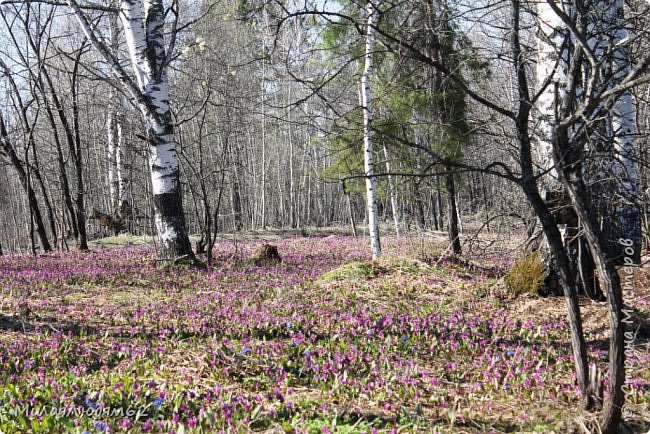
(106, 341)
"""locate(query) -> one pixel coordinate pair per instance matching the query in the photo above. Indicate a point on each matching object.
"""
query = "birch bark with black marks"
(143, 23)
(366, 103)
(115, 139)
(116, 172)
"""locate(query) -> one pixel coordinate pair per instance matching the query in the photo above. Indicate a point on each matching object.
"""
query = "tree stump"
(265, 255)
(201, 246)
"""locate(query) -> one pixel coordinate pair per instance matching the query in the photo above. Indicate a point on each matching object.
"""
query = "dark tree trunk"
(75, 151)
(571, 177)
(169, 212)
(440, 215)
(434, 209)
(46, 199)
(77, 210)
(418, 204)
(611, 415)
(566, 275)
(452, 212)
(587, 271)
(471, 190)
(236, 206)
(63, 176)
(528, 182)
(77, 206)
(353, 223)
(36, 217)
(574, 245)
(485, 203)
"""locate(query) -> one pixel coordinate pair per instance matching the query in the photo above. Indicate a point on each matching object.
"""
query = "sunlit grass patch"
(123, 240)
(351, 271)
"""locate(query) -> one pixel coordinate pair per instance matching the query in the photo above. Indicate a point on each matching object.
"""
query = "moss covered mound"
(348, 272)
(385, 265)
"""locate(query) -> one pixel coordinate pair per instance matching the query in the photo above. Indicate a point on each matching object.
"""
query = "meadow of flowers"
(106, 341)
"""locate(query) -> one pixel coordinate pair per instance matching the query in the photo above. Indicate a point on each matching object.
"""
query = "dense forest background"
(265, 101)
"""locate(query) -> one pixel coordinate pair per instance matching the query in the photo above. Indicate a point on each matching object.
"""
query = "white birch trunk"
(366, 101)
(115, 117)
(143, 22)
(111, 121)
(116, 172)
(111, 126)
(120, 172)
(548, 66)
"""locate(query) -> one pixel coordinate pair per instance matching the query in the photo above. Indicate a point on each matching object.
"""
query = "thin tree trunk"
(485, 203)
(366, 98)
(44, 193)
(63, 178)
(115, 119)
(25, 180)
(393, 193)
(419, 206)
(614, 176)
(439, 215)
(452, 213)
(547, 221)
(77, 158)
(611, 415)
(434, 209)
(112, 136)
(353, 223)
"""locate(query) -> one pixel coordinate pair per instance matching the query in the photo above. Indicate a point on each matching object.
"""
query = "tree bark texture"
(366, 101)
(143, 22)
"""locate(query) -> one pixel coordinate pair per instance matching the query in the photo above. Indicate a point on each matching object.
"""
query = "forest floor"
(106, 341)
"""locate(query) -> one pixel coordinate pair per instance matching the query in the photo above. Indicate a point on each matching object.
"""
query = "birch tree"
(143, 22)
(366, 103)
(115, 137)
